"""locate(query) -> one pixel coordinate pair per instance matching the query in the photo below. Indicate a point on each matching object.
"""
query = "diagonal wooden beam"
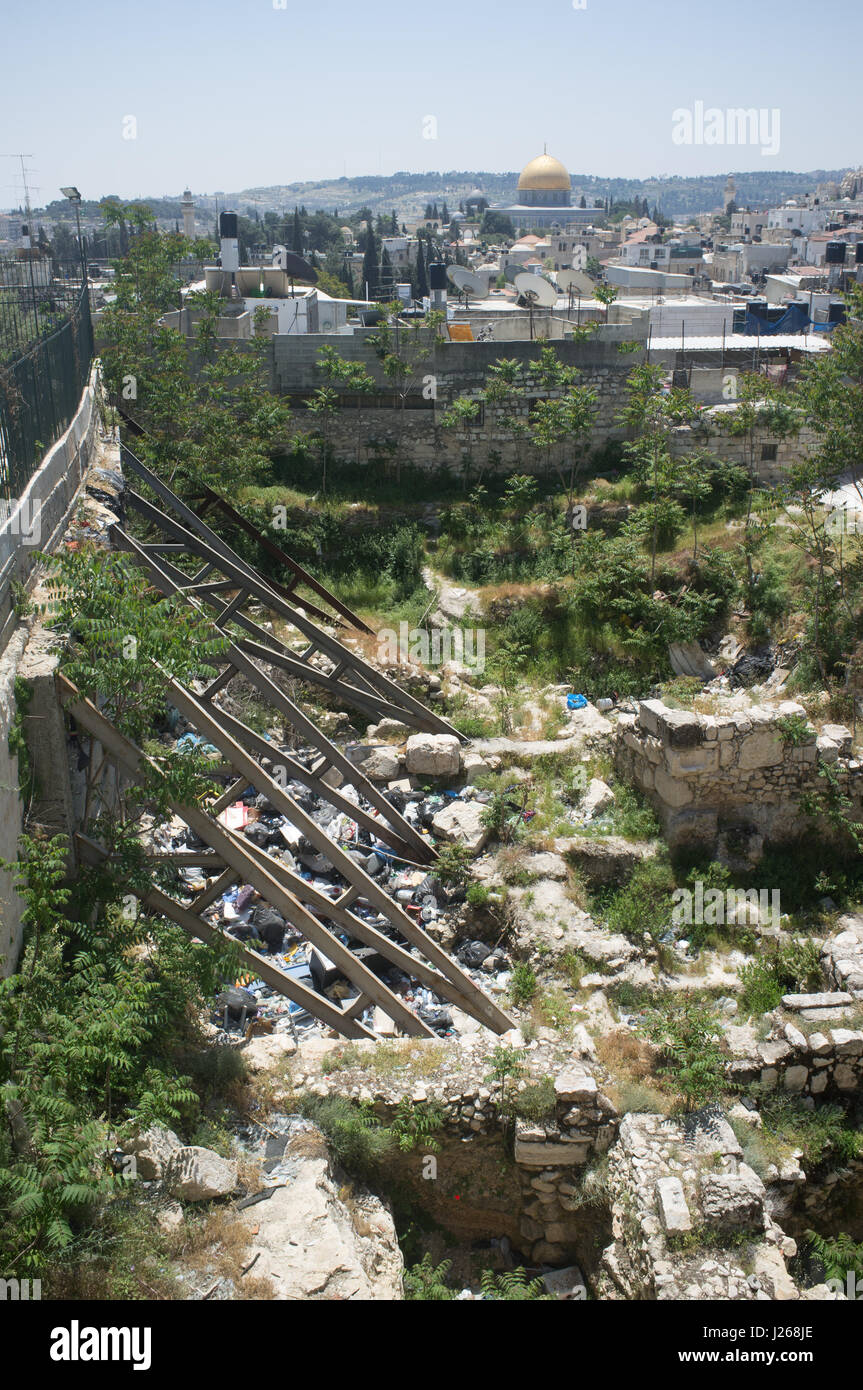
(237, 857)
(343, 1020)
(414, 712)
(296, 717)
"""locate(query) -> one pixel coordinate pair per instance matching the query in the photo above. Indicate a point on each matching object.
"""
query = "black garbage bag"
(473, 953)
(270, 926)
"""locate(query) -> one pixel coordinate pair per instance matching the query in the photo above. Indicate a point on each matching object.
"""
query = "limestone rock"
(673, 1209)
(311, 1245)
(733, 1201)
(264, 1053)
(152, 1150)
(194, 1174)
(597, 799)
(381, 765)
(433, 755)
(462, 822)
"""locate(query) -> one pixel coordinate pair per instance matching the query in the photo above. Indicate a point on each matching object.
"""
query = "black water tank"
(835, 253)
(228, 225)
(437, 275)
(858, 253)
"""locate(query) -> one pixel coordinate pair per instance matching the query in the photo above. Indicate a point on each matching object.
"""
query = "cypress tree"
(371, 275)
(421, 275)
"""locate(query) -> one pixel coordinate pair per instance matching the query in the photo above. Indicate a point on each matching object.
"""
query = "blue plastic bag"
(576, 701)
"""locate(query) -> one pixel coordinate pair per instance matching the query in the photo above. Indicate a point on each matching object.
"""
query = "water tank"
(835, 253)
(437, 275)
(228, 225)
(858, 253)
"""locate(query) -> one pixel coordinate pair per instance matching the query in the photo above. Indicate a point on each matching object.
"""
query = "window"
(768, 453)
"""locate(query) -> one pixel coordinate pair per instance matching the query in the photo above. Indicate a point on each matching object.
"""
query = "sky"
(143, 99)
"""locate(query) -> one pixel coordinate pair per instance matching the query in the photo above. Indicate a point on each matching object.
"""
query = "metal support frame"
(287, 892)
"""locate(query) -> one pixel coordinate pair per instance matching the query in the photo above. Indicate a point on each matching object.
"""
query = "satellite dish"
(579, 258)
(577, 281)
(296, 267)
(536, 290)
(466, 282)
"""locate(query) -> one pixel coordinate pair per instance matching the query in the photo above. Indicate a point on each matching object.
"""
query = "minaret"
(730, 194)
(188, 215)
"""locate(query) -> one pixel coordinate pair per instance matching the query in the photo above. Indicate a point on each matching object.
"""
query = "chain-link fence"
(46, 347)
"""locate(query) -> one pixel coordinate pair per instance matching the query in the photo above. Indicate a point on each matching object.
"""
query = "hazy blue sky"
(233, 93)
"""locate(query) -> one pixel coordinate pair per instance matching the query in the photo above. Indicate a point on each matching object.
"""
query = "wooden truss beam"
(367, 689)
(289, 893)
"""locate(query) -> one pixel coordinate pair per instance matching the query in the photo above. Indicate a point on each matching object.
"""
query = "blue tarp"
(794, 320)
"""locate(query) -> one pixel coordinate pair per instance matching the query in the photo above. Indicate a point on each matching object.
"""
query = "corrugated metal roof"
(808, 342)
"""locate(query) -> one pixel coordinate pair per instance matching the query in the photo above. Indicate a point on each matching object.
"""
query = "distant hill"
(409, 193)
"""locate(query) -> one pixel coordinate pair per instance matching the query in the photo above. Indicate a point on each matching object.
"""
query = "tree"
(351, 377)
(324, 406)
(371, 271)
(692, 1056)
(653, 411)
(761, 410)
(421, 278)
(606, 294)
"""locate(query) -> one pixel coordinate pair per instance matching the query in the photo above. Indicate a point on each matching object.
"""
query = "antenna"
(24, 173)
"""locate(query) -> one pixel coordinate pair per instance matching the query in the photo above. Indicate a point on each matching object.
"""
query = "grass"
(408, 1060)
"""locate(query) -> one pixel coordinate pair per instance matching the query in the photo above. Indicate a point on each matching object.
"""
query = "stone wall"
(825, 1066)
(541, 1210)
(691, 1219)
(730, 782)
(38, 518)
(708, 434)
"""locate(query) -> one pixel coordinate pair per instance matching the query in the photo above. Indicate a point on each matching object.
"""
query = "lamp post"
(75, 199)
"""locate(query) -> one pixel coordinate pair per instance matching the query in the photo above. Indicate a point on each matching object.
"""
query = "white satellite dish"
(466, 282)
(576, 281)
(536, 290)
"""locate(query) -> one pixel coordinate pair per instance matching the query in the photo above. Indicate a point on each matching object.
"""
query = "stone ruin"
(734, 782)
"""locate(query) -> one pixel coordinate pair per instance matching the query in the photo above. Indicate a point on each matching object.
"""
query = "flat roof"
(804, 342)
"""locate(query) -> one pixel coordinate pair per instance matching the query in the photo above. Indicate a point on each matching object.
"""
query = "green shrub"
(691, 1056)
(523, 985)
(513, 1286)
(477, 895)
(536, 1101)
(644, 904)
(789, 968)
(355, 1138)
(426, 1281)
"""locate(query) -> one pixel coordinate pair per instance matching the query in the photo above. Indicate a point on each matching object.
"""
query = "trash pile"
(249, 1005)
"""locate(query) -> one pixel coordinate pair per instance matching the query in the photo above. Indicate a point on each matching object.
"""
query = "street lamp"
(75, 199)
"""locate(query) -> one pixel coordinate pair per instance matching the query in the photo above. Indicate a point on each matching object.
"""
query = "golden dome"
(545, 174)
